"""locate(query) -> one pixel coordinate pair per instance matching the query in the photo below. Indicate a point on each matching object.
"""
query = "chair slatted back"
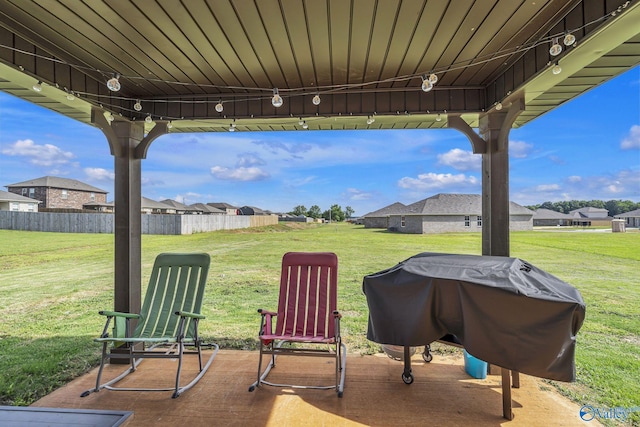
(177, 283)
(308, 294)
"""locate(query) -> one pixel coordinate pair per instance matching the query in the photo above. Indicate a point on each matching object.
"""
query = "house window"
(402, 221)
(93, 197)
(467, 221)
(32, 192)
(24, 192)
(31, 207)
(64, 194)
(479, 221)
(15, 206)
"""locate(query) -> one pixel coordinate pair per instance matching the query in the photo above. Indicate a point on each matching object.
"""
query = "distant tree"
(348, 211)
(299, 210)
(314, 212)
(334, 214)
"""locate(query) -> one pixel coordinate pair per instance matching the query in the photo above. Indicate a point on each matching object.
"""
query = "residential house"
(17, 203)
(250, 210)
(149, 206)
(59, 193)
(590, 217)
(546, 218)
(229, 209)
(380, 218)
(207, 209)
(444, 213)
(181, 208)
(631, 219)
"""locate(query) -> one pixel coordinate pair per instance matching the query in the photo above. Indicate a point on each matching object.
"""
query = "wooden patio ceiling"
(364, 58)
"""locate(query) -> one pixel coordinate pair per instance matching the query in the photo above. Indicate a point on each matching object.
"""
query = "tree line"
(334, 213)
(615, 207)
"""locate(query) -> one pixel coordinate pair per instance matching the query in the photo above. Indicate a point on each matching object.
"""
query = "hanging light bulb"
(148, 119)
(232, 127)
(114, 83)
(276, 101)
(38, 86)
(426, 84)
(219, 107)
(305, 125)
(438, 118)
(498, 106)
(137, 106)
(70, 96)
(569, 39)
(316, 100)
(301, 122)
(555, 48)
(433, 79)
(370, 120)
(557, 69)
(169, 125)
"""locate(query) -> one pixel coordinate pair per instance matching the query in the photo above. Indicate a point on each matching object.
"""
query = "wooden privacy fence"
(151, 224)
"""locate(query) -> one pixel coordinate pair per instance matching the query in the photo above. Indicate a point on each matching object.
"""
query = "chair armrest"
(188, 314)
(119, 314)
(265, 323)
(267, 312)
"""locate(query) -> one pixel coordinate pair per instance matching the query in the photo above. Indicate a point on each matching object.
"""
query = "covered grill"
(503, 310)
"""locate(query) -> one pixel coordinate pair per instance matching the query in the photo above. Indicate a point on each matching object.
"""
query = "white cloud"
(250, 159)
(574, 178)
(460, 160)
(433, 181)
(99, 174)
(40, 155)
(519, 149)
(239, 173)
(547, 187)
(631, 141)
(356, 195)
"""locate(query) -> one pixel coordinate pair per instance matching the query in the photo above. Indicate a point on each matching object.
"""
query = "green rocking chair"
(167, 326)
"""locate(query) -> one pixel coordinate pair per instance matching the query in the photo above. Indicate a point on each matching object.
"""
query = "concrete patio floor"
(375, 395)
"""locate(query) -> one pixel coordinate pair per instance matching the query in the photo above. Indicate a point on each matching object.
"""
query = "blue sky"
(587, 149)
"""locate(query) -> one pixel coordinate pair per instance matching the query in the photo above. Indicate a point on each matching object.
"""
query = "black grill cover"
(503, 310)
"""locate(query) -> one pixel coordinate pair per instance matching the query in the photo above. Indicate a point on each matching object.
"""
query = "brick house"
(446, 213)
(59, 193)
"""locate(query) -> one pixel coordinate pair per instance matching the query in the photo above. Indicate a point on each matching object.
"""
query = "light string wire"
(292, 92)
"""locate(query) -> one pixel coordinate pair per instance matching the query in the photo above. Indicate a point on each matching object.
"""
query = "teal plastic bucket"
(475, 367)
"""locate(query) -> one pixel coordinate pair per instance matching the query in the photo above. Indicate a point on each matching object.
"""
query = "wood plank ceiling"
(364, 58)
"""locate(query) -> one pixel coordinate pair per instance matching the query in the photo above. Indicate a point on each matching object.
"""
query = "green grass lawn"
(53, 284)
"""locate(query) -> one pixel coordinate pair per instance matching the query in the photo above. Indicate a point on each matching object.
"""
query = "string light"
(148, 119)
(438, 118)
(219, 107)
(276, 101)
(137, 106)
(114, 83)
(426, 83)
(305, 125)
(555, 48)
(370, 120)
(557, 69)
(232, 127)
(70, 95)
(169, 125)
(569, 39)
